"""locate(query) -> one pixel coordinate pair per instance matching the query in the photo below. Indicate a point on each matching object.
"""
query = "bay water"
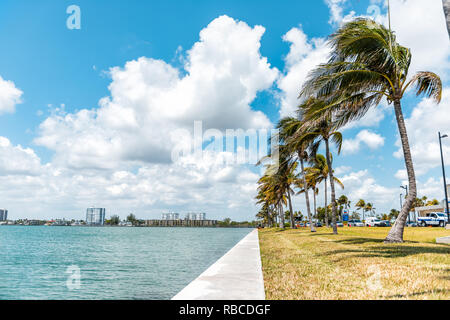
(103, 263)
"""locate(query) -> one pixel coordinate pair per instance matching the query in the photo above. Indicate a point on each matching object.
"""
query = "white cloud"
(426, 120)
(10, 96)
(420, 25)
(401, 175)
(150, 190)
(341, 170)
(361, 185)
(131, 135)
(150, 99)
(17, 160)
(369, 138)
(303, 56)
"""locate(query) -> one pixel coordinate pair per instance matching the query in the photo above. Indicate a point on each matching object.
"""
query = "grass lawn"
(355, 264)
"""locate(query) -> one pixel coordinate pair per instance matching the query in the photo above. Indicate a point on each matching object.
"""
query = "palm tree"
(314, 177)
(319, 172)
(367, 65)
(369, 208)
(288, 127)
(344, 203)
(275, 185)
(361, 204)
(393, 214)
(317, 131)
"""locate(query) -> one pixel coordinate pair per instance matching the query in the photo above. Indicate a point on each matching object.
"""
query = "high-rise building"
(196, 216)
(3, 214)
(170, 216)
(95, 216)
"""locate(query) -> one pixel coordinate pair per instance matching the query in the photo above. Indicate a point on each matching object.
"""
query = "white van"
(374, 222)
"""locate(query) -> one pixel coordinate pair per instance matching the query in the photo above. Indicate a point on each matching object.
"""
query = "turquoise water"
(114, 263)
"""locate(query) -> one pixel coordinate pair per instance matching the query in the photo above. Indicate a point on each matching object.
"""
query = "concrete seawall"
(235, 276)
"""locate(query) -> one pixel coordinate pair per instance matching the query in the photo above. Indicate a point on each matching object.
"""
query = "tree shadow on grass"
(359, 240)
(400, 296)
(390, 251)
(315, 234)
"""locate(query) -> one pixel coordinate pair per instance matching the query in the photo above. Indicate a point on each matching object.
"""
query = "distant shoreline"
(127, 227)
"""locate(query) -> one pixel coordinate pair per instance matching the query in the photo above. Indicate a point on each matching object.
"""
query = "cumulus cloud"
(17, 160)
(426, 120)
(304, 55)
(150, 99)
(118, 155)
(369, 138)
(10, 96)
(361, 185)
(147, 191)
(418, 25)
(421, 27)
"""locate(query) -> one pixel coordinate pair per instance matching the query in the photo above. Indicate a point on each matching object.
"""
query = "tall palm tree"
(319, 172)
(288, 127)
(322, 129)
(367, 64)
(314, 177)
(277, 181)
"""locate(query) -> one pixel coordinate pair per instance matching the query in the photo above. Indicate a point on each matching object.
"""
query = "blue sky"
(61, 71)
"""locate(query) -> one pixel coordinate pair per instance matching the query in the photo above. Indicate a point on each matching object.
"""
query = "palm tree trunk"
(326, 207)
(396, 232)
(281, 213)
(446, 5)
(333, 192)
(315, 205)
(305, 186)
(291, 213)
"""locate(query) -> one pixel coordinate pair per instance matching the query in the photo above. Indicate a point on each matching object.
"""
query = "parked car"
(339, 224)
(432, 219)
(355, 223)
(375, 222)
(316, 224)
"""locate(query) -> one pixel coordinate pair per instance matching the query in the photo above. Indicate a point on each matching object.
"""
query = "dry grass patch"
(355, 264)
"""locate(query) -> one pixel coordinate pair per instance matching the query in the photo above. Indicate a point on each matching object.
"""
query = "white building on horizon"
(199, 216)
(170, 216)
(95, 216)
(3, 214)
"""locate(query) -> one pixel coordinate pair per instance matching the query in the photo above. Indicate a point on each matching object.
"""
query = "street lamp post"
(406, 188)
(443, 174)
(401, 204)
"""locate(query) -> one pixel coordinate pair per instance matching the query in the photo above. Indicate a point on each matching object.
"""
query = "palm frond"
(428, 84)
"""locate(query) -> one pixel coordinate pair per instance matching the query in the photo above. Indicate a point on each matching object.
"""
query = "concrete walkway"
(235, 276)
